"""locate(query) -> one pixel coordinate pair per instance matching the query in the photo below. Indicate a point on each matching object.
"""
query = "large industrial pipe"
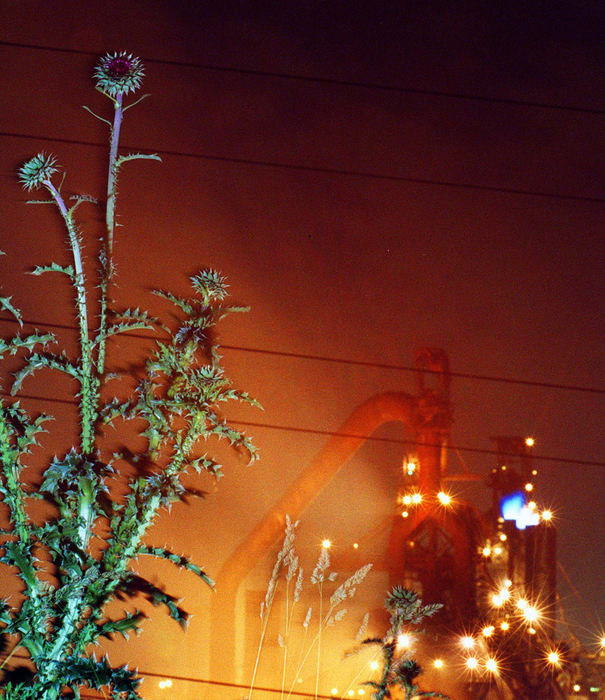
(365, 419)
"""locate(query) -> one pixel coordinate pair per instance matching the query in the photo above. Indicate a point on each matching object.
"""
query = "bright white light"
(444, 498)
(529, 441)
(527, 517)
(467, 642)
(530, 613)
(404, 640)
(438, 663)
(491, 665)
(326, 544)
(472, 663)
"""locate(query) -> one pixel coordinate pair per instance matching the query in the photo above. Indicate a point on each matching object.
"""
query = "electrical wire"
(355, 363)
(282, 75)
(207, 681)
(281, 165)
(355, 436)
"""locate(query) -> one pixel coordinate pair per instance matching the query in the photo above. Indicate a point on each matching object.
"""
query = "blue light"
(512, 505)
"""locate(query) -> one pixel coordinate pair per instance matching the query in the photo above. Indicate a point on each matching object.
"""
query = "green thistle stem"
(112, 178)
(89, 383)
(112, 174)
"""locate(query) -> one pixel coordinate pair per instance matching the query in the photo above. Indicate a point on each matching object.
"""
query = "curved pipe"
(365, 419)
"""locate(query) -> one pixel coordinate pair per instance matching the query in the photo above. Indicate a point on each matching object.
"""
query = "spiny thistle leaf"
(129, 623)
(180, 561)
(37, 361)
(5, 303)
(53, 267)
(17, 343)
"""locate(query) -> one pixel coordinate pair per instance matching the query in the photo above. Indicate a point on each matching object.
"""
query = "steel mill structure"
(494, 572)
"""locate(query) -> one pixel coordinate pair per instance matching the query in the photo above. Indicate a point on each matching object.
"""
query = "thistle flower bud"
(119, 73)
(37, 170)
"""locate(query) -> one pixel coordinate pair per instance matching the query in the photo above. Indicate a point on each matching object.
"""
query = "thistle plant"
(401, 670)
(288, 571)
(79, 559)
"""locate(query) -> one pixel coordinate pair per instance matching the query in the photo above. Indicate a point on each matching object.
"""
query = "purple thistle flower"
(119, 73)
(37, 170)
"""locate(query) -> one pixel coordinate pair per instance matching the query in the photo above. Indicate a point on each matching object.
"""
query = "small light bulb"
(529, 487)
(504, 625)
(355, 545)
(374, 665)
(491, 665)
(334, 691)
(326, 544)
(546, 515)
(553, 658)
(529, 441)
(467, 642)
(576, 688)
(522, 604)
(508, 583)
(405, 514)
(531, 630)
(417, 498)
(497, 550)
(530, 613)
(486, 551)
(504, 593)
(532, 505)
(438, 663)
(404, 641)
(444, 498)
(472, 663)
(407, 500)
(497, 600)
(350, 693)
(503, 537)
(534, 472)
(487, 631)
(602, 642)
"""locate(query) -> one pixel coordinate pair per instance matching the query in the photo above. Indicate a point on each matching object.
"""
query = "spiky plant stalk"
(66, 583)
(401, 670)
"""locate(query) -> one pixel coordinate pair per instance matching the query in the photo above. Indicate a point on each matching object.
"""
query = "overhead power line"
(206, 681)
(347, 361)
(355, 436)
(297, 167)
(365, 85)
